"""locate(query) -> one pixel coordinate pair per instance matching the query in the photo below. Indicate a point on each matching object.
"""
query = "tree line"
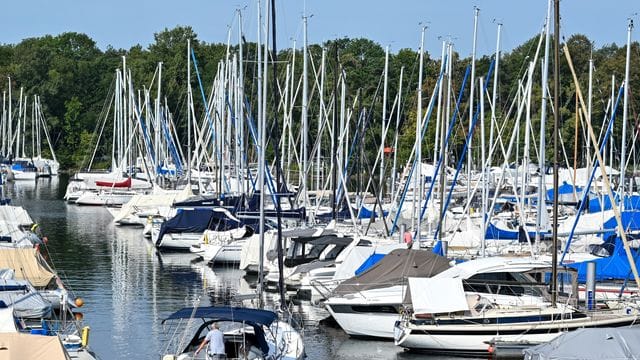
(73, 77)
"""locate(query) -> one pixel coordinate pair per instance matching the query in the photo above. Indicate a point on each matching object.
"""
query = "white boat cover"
(17, 346)
(28, 265)
(15, 215)
(588, 344)
(433, 295)
(7, 321)
(146, 201)
(26, 301)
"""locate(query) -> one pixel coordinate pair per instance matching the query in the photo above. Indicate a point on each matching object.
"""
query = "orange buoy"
(78, 316)
(79, 302)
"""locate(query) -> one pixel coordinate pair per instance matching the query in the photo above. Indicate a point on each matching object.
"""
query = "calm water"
(129, 288)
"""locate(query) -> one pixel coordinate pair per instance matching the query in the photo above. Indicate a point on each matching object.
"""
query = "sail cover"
(28, 265)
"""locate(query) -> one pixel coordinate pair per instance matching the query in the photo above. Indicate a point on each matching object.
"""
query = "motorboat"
(369, 304)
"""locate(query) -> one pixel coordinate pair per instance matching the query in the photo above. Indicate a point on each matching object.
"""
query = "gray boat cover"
(26, 301)
(592, 343)
(394, 269)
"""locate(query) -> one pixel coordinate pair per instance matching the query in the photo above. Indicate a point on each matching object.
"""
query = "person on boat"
(215, 339)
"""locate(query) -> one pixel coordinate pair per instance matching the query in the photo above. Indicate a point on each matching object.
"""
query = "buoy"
(45, 239)
(79, 316)
(85, 336)
(79, 302)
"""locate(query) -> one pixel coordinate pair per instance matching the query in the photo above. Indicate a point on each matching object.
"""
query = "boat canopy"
(226, 313)
(197, 221)
(27, 264)
(589, 343)
(254, 317)
(393, 268)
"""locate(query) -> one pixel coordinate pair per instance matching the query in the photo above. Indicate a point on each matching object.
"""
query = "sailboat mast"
(483, 166)
(417, 184)
(261, 161)
(321, 119)
(471, 94)
(625, 107)
(384, 117)
(494, 95)
(395, 135)
(274, 54)
(189, 100)
(305, 125)
(543, 120)
(556, 130)
(10, 121)
(334, 136)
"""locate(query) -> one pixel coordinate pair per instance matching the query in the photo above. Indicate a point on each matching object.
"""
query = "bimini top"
(227, 313)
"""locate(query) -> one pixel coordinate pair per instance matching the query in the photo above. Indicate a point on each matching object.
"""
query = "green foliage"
(74, 79)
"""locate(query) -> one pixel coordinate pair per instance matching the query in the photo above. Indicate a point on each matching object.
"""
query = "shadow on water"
(129, 287)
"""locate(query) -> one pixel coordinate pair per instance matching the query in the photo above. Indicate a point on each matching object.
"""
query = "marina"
(336, 200)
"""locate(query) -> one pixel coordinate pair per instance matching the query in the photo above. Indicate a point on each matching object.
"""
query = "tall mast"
(589, 104)
(305, 125)
(261, 161)
(19, 124)
(384, 119)
(436, 146)
(158, 120)
(471, 93)
(395, 135)
(482, 166)
(417, 184)
(494, 96)
(4, 123)
(10, 121)
(625, 106)
(189, 99)
(321, 118)
(240, 102)
(543, 120)
(334, 137)
(556, 129)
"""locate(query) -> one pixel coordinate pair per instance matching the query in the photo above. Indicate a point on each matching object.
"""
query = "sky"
(395, 23)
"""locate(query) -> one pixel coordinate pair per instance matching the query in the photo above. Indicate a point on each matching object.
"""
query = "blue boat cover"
(365, 213)
(630, 222)
(227, 313)
(371, 260)
(614, 267)
(254, 317)
(631, 202)
(197, 221)
(564, 189)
